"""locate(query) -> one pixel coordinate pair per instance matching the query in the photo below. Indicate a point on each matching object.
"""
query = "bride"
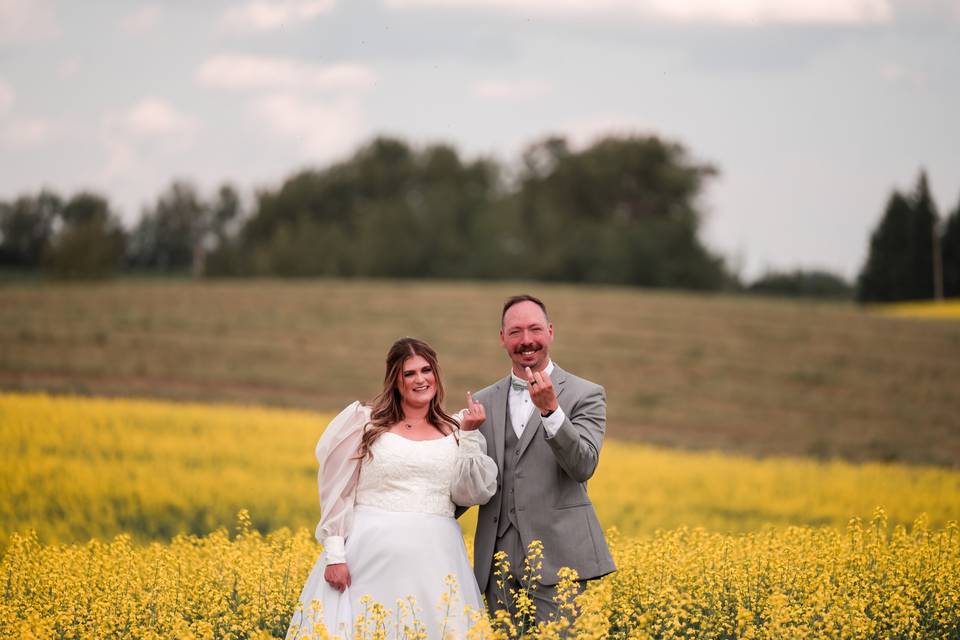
(390, 476)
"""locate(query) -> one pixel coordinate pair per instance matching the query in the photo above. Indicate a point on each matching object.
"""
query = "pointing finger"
(469, 399)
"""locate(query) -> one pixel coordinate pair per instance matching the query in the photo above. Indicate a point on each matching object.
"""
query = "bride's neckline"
(393, 433)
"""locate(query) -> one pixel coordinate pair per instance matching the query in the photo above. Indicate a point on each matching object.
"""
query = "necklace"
(410, 426)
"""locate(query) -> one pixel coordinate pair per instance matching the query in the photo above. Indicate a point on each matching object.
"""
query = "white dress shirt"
(522, 407)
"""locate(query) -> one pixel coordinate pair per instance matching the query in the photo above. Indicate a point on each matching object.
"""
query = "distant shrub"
(800, 283)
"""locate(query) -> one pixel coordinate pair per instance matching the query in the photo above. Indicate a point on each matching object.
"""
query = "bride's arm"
(475, 478)
(337, 479)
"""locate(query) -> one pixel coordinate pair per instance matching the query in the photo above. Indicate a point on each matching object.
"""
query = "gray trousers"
(498, 596)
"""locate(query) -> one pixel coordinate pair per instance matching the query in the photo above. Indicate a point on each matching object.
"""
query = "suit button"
(517, 452)
(496, 519)
(512, 510)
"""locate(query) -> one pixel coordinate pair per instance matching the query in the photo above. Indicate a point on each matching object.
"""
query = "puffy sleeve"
(475, 478)
(337, 478)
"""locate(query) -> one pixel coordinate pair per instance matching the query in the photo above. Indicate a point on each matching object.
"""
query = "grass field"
(76, 468)
(740, 374)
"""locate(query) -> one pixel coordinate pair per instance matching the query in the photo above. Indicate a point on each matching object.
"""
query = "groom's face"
(526, 336)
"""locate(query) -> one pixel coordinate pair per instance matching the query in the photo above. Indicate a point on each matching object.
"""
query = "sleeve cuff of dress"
(334, 547)
(553, 422)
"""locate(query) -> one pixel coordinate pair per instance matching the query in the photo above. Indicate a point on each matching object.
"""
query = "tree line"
(913, 253)
(622, 211)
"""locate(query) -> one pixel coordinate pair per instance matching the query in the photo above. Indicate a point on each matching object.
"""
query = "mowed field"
(749, 375)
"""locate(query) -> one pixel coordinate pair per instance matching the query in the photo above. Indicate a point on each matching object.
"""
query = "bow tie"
(519, 385)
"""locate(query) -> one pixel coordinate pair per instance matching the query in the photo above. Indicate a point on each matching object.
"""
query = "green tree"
(899, 262)
(26, 226)
(176, 234)
(924, 237)
(622, 210)
(389, 210)
(802, 283)
(221, 251)
(950, 252)
(90, 241)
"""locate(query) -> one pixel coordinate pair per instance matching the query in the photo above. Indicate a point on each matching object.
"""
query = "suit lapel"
(558, 378)
(500, 419)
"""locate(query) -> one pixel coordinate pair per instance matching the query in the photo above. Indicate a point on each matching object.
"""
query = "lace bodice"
(403, 475)
(409, 475)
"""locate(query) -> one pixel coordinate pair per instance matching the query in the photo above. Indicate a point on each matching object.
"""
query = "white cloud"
(895, 73)
(20, 132)
(584, 131)
(323, 130)
(142, 20)
(7, 97)
(146, 131)
(245, 72)
(516, 91)
(25, 21)
(734, 12)
(269, 15)
(892, 72)
(69, 67)
(25, 132)
(155, 117)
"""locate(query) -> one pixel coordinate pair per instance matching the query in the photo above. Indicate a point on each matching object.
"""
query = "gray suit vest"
(508, 511)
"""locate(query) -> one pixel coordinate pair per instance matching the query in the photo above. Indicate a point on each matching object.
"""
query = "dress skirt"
(395, 555)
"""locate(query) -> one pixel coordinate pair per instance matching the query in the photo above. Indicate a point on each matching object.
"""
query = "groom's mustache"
(527, 347)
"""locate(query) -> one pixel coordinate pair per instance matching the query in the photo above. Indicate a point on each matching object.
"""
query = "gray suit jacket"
(551, 484)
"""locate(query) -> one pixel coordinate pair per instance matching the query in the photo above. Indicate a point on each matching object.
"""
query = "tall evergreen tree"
(924, 237)
(884, 277)
(950, 253)
(900, 259)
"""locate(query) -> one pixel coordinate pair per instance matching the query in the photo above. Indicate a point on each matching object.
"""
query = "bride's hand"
(337, 575)
(473, 415)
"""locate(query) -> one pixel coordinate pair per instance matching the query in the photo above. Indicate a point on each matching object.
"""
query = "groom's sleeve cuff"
(333, 546)
(553, 422)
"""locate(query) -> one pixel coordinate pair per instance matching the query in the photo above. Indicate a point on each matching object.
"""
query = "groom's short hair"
(512, 300)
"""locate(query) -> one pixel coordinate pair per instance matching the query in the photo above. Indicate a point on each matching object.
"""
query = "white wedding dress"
(390, 518)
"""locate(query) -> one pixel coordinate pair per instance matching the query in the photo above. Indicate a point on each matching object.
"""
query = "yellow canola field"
(949, 309)
(79, 468)
(797, 582)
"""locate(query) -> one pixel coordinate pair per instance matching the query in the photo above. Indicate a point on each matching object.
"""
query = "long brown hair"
(388, 406)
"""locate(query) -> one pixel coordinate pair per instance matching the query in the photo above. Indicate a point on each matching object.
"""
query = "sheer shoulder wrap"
(337, 479)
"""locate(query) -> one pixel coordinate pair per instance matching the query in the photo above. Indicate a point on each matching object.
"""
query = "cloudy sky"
(813, 110)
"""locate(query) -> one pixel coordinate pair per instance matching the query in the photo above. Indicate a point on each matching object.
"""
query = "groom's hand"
(337, 575)
(541, 392)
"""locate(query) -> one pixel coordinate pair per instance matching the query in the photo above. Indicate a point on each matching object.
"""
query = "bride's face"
(418, 382)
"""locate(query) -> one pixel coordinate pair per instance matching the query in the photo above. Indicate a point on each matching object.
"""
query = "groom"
(544, 428)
